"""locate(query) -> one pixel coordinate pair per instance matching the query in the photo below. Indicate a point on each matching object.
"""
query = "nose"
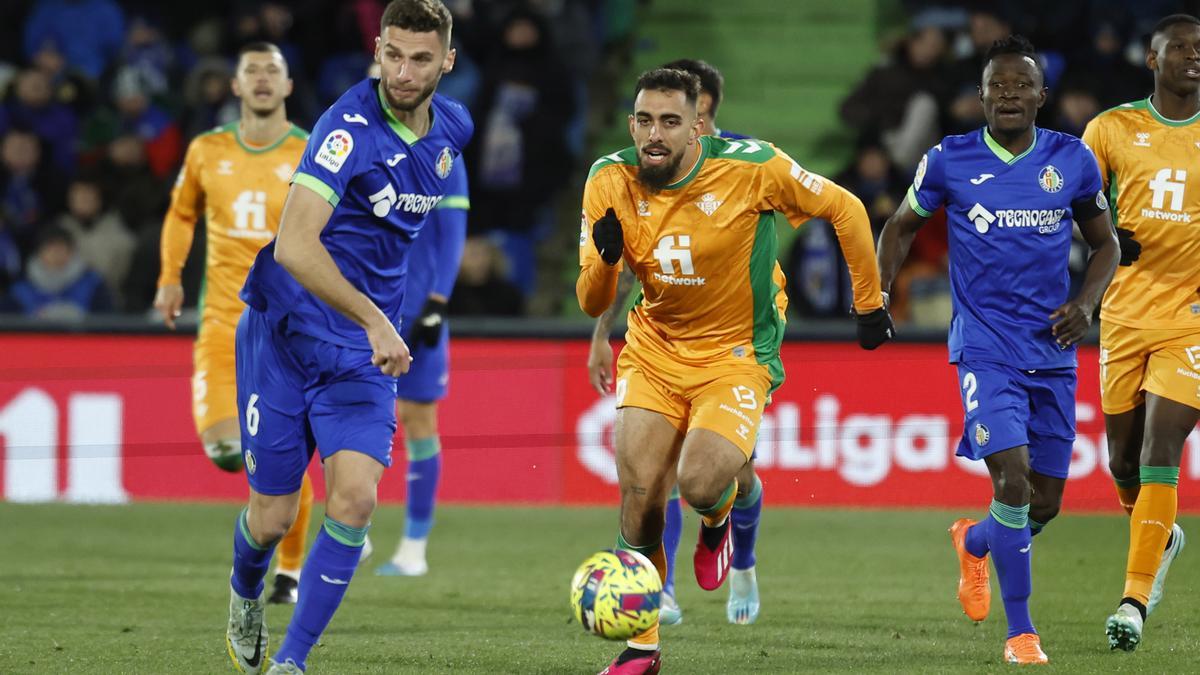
(655, 132)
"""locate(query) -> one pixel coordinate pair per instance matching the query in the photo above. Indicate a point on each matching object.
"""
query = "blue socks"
(745, 526)
(671, 535)
(1006, 535)
(250, 561)
(424, 468)
(323, 581)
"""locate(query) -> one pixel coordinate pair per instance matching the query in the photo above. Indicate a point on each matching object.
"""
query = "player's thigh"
(995, 409)
(428, 377)
(1168, 424)
(352, 406)
(647, 449)
(276, 445)
(214, 379)
(1173, 368)
(352, 480)
(1051, 423)
(1124, 357)
(723, 427)
(1124, 432)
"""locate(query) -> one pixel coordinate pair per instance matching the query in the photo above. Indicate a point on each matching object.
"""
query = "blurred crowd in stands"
(925, 86)
(99, 99)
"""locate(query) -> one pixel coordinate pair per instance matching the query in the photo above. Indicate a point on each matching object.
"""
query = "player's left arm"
(1090, 209)
(801, 195)
(448, 225)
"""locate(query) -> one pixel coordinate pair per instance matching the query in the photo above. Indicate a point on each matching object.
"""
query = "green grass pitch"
(143, 589)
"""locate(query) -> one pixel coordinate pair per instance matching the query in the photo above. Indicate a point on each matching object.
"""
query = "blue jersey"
(436, 254)
(1009, 221)
(382, 182)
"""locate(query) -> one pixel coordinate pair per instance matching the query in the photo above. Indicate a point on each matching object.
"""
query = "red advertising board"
(107, 418)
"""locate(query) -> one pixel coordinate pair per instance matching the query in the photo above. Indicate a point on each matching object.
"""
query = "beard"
(655, 178)
(409, 106)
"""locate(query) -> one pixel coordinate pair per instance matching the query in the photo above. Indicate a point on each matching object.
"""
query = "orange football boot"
(1025, 649)
(974, 582)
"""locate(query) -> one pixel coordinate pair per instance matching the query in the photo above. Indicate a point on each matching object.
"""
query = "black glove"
(427, 329)
(609, 240)
(1131, 249)
(874, 328)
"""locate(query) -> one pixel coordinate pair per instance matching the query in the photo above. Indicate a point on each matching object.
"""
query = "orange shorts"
(726, 398)
(1163, 362)
(214, 379)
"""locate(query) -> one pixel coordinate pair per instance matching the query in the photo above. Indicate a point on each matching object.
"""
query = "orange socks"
(1127, 492)
(715, 514)
(1149, 528)
(291, 547)
(658, 556)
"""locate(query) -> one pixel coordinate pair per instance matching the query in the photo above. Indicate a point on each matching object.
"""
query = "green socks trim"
(1016, 517)
(422, 448)
(752, 496)
(720, 500)
(644, 550)
(1162, 475)
(244, 529)
(345, 534)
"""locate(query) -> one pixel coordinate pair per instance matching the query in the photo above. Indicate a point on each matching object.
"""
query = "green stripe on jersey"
(745, 149)
(768, 325)
(626, 156)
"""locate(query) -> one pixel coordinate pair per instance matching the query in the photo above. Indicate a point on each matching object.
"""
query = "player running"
(1150, 319)
(317, 348)
(743, 604)
(694, 217)
(1011, 191)
(237, 175)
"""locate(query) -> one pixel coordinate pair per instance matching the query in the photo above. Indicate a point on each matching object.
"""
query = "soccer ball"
(616, 594)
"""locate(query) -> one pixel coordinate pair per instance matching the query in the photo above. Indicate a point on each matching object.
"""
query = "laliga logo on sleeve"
(334, 150)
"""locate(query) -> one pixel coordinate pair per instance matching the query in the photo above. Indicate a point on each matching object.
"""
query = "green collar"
(397, 126)
(1001, 152)
(1171, 123)
(704, 147)
(256, 150)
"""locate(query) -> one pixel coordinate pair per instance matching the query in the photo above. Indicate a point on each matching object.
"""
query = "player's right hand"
(169, 303)
(608, 237)
(1131, 249)
(600, 366)
(388, 351)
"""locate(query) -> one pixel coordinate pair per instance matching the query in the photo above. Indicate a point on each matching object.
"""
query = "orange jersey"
(1150, 171)
(241, 190)
(704, 249)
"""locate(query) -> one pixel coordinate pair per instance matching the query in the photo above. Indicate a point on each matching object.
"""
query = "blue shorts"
(297, 393)
(428, 377)
(1008, 407)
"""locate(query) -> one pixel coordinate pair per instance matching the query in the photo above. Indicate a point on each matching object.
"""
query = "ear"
(1152, 59)
(980, 90)
(448, 63)
(235, 87)
(697, 130)
(1042, 96)
(378, 50)
(631, 128)
(288, 88)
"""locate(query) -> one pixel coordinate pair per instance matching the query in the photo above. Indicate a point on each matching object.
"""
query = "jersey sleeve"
(800, 195)
(449, 220)
(336, 152)
(1093, 136)
(928, 191)
(179, 225)
(1089, 200)
(597, 284)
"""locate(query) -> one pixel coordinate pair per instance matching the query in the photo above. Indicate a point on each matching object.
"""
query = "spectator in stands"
(898, 100)
(482, 288)
(88, 32)
(139, 116)
(147, 53)
(58, 284)
(1116, 79)
(28, 191)
(70, 86)
(207, 97)
(10, 260)
(1075, 105)
(32, 106)
(962, 110)
(875, 181)
(101, 237)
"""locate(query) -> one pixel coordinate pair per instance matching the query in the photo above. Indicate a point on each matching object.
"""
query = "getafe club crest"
(982, 435)
(445, 162)
(1050, 179)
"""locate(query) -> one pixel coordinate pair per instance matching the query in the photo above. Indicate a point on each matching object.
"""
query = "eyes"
(1016, 85)
(422, 58)
(669, 123)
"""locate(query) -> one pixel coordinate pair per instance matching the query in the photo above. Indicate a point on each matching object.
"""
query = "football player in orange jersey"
(743, 604)
(1150, 317)
(238, 174)
(694, 216)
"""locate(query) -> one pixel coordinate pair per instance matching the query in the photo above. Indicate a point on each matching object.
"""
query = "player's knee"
(226, 453)
(1120, 466)
(1045, 508)
(351, 506)
(700, 489)
(1013, 488)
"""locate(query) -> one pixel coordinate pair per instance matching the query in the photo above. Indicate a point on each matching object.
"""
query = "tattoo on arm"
(605, 321)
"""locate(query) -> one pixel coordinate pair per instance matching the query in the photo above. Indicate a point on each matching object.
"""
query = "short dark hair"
(1172, 20)
(1014, 44)
(259, 47)
(670, 79)
(419, 16)
(712, 82)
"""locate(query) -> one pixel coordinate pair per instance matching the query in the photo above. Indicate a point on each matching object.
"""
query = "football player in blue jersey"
(432, 268)
(743, 604)
(318, 346)
(1011, 192)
